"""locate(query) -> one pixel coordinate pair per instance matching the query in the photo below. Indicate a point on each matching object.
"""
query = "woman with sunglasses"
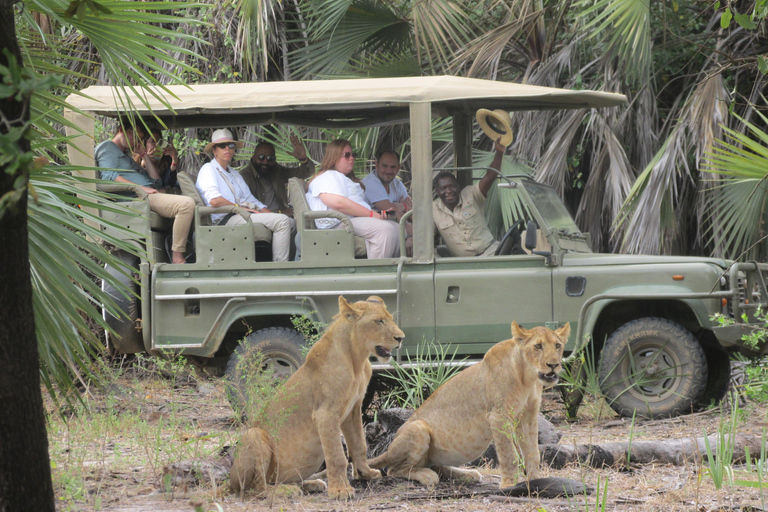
(333, 188)
(220, 185)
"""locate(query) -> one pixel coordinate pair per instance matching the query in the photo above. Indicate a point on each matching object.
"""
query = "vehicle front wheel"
(652, 367)
(274, 352)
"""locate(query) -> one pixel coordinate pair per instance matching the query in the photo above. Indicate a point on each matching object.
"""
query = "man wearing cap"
(267, 179)
(382, 188)
(220, 185)
(458, 214)
(114, 156)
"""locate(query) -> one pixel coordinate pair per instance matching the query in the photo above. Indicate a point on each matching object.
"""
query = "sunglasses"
(348, 154)
(268, 158)
(230, 145)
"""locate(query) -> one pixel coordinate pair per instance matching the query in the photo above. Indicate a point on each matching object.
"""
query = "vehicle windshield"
(551, 208)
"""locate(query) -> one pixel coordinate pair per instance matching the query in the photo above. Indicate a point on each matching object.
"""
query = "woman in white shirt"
(332, 189)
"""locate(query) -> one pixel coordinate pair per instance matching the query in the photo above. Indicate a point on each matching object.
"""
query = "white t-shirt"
(211, 183)
(375, 191)
(332, 182)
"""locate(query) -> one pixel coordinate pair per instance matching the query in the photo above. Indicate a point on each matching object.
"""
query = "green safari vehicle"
(645, 319)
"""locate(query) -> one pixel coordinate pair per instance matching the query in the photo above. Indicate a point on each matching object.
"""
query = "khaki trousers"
(179, 208)
(280, 225)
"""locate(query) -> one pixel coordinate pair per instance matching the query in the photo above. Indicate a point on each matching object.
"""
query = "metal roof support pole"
(462, 146)
(80, 147)
(421, 184)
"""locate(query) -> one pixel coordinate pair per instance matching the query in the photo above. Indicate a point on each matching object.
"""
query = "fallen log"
(674, 451)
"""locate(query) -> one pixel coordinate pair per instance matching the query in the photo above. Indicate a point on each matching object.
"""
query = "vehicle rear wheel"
(275, 352)
(652, 367)
(127, 339)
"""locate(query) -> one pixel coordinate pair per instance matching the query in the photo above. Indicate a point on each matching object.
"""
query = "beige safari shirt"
(464, 230)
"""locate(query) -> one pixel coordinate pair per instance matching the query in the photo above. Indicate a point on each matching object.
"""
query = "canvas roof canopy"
(334, 103)
(337, 103)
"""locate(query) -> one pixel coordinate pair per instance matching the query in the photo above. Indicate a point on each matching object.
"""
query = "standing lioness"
(497, 399)
(317, 404)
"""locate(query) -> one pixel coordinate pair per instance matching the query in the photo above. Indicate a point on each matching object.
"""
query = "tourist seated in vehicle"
(334, 188)
(386, 192)
(115, 157)
(267, 179)
(382, 187)
(220, 185)
(164, 156)
(458, 214)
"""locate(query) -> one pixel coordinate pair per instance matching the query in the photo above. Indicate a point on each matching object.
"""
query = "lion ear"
(518, 332)
(346, 309)
(564, 331)
(375, 299)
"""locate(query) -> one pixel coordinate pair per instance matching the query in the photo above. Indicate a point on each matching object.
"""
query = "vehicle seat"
(188, 188)
(297, 189)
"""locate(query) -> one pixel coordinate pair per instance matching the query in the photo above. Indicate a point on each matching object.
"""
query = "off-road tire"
(129, 340)
(652, 367)
(281, 350)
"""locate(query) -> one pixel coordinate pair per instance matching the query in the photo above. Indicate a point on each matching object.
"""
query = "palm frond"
(258, 21)
(439, 26)
(736, 209)
(625, 25)
(609, 182)
(484, 53)
(363, 25)
(131, 41)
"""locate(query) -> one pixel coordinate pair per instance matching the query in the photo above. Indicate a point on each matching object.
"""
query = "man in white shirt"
(220, 185)
(382, 188)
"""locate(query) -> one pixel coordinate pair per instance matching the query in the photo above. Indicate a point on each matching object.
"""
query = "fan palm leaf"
(735, 207)
(625, 26)
(132, 43)
(657, 192)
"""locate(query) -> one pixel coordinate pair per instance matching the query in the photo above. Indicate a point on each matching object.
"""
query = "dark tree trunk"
(25, 471)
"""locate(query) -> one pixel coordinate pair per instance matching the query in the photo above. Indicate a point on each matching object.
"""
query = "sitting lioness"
(497, 399)
(318, 403)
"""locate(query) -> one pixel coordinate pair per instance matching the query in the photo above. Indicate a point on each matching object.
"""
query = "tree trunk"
(25, 471)
(672, 451)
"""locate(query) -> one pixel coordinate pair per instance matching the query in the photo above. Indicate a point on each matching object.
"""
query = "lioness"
(497, 399)
(318, 403)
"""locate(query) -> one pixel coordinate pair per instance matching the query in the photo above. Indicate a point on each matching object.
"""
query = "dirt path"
(115, 459)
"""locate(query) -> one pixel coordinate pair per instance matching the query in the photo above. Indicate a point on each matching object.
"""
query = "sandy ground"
(114, 459)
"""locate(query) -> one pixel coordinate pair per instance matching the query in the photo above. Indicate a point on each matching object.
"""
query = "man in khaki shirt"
(458, 215)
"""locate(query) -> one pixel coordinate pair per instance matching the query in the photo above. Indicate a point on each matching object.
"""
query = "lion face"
(374, 325)
(543, 349)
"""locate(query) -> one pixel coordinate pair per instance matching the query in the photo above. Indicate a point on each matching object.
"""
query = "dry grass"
(114, 458)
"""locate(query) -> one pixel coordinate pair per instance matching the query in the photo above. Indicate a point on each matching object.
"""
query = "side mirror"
(530, 235)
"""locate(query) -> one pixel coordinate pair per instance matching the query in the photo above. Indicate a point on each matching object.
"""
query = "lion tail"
(252, 461)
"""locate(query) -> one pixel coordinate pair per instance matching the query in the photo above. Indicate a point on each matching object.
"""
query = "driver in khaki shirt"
(458, 215)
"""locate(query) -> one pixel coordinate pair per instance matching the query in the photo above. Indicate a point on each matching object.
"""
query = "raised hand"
(299, 151)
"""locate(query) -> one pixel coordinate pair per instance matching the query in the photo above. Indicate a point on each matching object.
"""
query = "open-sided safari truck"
(647, 318)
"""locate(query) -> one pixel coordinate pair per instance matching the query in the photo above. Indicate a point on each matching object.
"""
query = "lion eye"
(557, 346)
(537, 346)
(380, 321)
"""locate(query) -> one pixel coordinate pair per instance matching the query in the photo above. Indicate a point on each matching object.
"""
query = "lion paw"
(313, 486)
(341, 493)
(367, 474)
(507, 483)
